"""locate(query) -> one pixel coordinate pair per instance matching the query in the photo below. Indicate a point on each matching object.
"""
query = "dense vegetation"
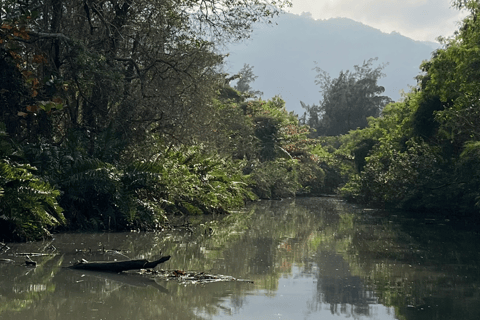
(114, 116)
(423, 152)
(116, 113)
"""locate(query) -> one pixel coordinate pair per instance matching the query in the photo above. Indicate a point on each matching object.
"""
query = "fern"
(105, 195)
(28, 205)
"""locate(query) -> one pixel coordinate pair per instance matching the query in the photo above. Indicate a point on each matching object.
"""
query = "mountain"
(283, 55)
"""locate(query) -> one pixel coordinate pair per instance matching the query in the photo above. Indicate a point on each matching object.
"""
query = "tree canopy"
(348, 100)
(245, 78)
(105, 101)
(138, 65)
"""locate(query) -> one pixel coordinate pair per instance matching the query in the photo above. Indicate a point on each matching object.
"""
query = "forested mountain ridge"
(284, 55)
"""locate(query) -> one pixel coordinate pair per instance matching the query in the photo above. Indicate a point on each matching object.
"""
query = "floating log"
(118, 266)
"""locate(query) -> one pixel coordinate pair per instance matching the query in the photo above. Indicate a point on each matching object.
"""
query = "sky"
(422, 20)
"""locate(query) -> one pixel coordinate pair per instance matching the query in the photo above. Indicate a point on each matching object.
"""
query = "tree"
(347, 100)
(131, 66)
(312, 116)
(246, 77)
(472, 5)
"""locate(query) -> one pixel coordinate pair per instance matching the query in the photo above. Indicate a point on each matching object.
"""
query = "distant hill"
(283, 56)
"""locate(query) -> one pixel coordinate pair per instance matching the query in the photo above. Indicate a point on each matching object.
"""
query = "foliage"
(280, 157)
(105, 63)
(246, 77)
(196, 182)
(28, 205)
(275, 179)
(399, 179)
(422, 154)
(101, 195)
(347, 100)
(114, 105)
(97, 68)
(234, 133)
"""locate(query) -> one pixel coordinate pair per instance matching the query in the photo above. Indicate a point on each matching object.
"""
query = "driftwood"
(187, 277)
(118, 266)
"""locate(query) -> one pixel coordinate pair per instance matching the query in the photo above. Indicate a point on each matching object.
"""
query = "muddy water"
(314, 258)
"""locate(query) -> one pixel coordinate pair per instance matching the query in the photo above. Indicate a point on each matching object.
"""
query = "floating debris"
(188, 277)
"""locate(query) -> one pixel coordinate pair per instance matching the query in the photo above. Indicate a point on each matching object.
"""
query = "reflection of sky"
(296, 298)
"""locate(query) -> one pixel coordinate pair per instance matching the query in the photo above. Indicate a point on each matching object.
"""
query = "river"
(305, 258)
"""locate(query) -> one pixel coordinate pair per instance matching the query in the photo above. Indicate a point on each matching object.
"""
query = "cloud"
(417, 19)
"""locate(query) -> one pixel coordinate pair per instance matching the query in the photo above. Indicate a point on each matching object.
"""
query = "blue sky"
(417, 19)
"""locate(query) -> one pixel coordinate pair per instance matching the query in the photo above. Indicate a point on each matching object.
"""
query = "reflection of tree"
(359, 258)
(424, 269)
(251, 245)
(337, 287)
(21, 287)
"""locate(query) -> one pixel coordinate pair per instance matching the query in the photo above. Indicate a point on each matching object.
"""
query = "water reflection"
(309, 258)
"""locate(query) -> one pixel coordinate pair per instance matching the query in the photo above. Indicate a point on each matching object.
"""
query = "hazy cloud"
(416, 19)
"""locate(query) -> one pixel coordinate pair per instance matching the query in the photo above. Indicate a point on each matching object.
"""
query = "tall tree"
(246, 77)
(347, 100)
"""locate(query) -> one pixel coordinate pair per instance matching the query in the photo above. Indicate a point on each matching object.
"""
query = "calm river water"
(308, 258)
